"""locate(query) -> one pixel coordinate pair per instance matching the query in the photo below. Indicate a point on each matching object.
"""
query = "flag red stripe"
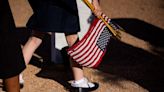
(92, 37)
(84, 38)
(95, 58)
(94, 65)
(89, 47)
(89, 58)
(86, 41)
(86, 54)
(91, 41)
(92, 56)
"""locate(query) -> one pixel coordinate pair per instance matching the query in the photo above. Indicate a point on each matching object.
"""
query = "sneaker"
(84, 86)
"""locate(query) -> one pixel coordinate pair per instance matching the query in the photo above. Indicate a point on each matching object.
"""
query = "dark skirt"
(11, 57)
(55, 16)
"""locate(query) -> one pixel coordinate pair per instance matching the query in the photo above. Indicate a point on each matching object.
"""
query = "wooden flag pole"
(115, 33)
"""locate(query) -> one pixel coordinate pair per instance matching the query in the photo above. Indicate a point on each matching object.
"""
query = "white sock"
(21, 81)
(82, 83)
(79, 81)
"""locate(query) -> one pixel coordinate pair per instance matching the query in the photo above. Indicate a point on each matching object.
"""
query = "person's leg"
(80, 82)
(29, 48)
(32, 44)
(12, 84)
(77, 69)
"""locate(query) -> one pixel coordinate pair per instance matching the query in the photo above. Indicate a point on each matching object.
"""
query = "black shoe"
(21, 85)
(81, 89)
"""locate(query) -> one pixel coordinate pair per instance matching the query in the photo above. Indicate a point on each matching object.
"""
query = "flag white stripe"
(84, 55)
(77, 49)
(97, 50)
(86, 43)
(93, 63)
(89, 57)
(95, 58)
(85, 47)
(92, 43)
(97, 25)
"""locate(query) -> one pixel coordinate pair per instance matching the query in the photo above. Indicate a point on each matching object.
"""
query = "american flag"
(90, 50)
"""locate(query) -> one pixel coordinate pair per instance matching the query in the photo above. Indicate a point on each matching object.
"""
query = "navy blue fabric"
(6, 19)
(11, 57)
(55, 16)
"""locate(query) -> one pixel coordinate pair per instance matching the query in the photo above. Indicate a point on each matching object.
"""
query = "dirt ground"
(133, 64)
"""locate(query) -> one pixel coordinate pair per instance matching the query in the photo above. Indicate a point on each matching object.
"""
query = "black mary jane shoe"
(81, 89)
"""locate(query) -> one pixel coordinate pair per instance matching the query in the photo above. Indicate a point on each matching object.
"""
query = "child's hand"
(97, 9)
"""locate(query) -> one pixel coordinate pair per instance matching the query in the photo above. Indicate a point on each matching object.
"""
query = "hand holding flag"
(116, 33)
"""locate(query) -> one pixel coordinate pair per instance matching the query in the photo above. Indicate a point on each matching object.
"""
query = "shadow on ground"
(61, 72)
(144, 31)
(122, 60)
(133, 63)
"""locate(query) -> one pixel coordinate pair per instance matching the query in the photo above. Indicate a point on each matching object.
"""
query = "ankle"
(21, 81)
